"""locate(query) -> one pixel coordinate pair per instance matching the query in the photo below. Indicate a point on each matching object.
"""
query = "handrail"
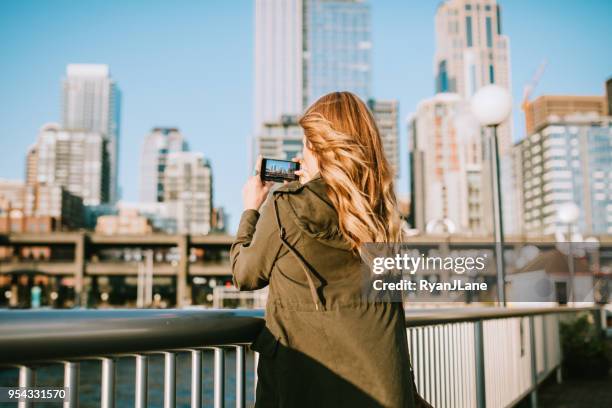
(415, 317)
(28, 336)
(452, 349)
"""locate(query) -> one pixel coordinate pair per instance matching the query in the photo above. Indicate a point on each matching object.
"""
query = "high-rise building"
(92, 103)
(12, 201)
(12, 195)
(38, 208)
(566, 159)
(549, 109)
(31, 165)
(279, 45)
(73, 159)
(472, 52)
(446, 161)
(188, 185)
(54, 202)
(155, 149)
(281, 139)
(567, 163)
(386, 115)
(305, 49)
(337, 53)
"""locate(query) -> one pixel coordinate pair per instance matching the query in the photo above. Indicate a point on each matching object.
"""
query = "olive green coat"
(325, 346)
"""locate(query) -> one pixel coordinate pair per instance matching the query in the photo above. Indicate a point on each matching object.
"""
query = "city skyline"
(164, 84)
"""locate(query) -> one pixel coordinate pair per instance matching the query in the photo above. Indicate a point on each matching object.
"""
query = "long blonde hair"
(343, 135)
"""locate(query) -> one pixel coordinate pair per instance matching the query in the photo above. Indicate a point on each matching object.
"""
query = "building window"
(468, 30)
(472, 79)
(489, 33)
(468, 7)
(499, 30)
(442, 85)
(491, 74)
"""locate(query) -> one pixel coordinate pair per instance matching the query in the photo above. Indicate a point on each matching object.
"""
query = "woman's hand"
(304, 173)
(255, 191)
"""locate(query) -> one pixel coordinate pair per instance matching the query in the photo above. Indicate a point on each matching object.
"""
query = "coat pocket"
(265, 343)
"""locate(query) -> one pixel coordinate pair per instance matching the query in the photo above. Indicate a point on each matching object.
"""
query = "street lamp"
(568, 213)
(492, 105)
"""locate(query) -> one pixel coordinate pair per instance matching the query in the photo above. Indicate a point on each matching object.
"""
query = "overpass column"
(182, 295)
(79, 267)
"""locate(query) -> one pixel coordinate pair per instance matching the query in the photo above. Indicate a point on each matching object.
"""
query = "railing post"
(240, 377)
(255, 376)
(26, 379)
(169, 380)
(71, 381)
(196, 378)
(79, 267)
(183, 272)
(219, 377)
(481, 400)
(140, 392)
(107, 388)
(534, 363)
(545, 342)
(559, 348)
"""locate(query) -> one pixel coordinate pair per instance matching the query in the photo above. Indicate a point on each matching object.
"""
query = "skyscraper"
(447, 167)
(91, 103)
(337, 54)
(188, 189)
(76, 160)
(31, 165)
(566, 159)
(472, 52)
(281, 139)
(155, 149)
(567, 162)
(550, 108)
(305, 49)
(386, 115)
(279, 61)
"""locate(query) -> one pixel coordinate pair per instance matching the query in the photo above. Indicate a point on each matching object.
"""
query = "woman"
(323, 344)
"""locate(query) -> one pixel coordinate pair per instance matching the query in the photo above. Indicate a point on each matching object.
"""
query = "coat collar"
(315, 185)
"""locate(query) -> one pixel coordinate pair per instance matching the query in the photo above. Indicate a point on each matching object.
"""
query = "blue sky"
(190, 64)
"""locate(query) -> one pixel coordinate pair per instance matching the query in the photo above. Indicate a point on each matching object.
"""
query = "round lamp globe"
(568, 212)
(491, 105)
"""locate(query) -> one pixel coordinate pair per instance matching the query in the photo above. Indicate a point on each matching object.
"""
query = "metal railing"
(461, 358)
(485, 357)
(30, 338)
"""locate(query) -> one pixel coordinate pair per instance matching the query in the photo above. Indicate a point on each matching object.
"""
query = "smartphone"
(278, 170)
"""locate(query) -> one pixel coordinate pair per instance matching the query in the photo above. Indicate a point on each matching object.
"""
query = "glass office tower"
(338, 49)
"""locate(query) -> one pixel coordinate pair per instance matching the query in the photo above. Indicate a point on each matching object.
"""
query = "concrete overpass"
(78, 254)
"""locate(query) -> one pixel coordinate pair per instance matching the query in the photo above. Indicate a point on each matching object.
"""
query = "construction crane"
(530, 86)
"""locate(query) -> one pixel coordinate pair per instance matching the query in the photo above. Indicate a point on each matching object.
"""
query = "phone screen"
(279, 170)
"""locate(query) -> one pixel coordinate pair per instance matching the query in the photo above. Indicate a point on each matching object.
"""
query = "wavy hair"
(342, 133)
